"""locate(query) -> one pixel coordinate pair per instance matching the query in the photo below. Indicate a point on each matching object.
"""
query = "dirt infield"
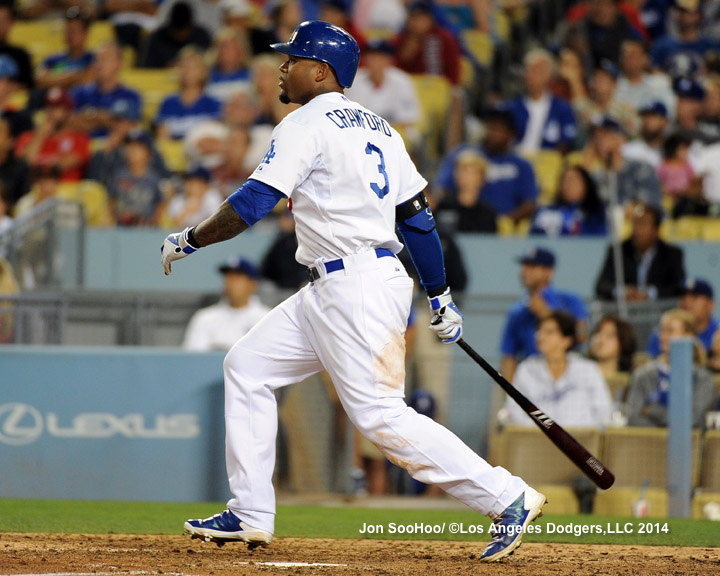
(101, 555)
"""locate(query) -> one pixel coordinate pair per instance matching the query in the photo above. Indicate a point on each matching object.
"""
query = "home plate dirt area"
(101, 555)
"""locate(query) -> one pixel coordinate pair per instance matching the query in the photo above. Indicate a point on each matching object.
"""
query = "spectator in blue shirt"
(669, 52)
(94, 101)
(698, 298)
(518, 339)
(74, 66)
(230, 71)
(543, 121)
(190, 106)
(510, 186)
(577, 209)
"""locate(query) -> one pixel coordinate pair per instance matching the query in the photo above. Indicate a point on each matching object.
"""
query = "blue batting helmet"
(330, 44)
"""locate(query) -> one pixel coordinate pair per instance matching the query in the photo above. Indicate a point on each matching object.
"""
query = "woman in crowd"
(577, 209)
(230, 71)
(571, 389)
(613, 345)
(649, 392)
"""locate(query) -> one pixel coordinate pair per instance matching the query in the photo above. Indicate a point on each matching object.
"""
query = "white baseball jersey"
(344, 169)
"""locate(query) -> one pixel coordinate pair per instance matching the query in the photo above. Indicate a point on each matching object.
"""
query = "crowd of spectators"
(612, 110)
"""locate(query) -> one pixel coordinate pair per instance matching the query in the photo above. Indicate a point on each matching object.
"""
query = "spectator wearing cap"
(698, 298)
(601, 101)
(135, 191)
(74, 66)
(510, 186)
(385, 89)
(230, 71)
(570, 388)
(163, 46)
(536, 274)
(424, 47)
(690, 96)
(107, 162)
(648, 146)
(94, 101)
(199, 199)
(14, 171)
(649, 391)
(543, 121)
(180, 112)
(637, 181)
(219, 326)
(637, 85)
(54, 141)
(688, 44)
(652, 268)
(17, 54)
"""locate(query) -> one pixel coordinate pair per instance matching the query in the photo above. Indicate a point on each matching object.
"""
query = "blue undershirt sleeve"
(254, 200)
(427, 256)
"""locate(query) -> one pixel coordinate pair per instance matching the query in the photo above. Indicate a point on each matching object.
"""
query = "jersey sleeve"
(289, 158)
(410, 180)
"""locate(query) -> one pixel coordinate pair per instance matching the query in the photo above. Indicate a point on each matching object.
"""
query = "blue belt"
(335, 265)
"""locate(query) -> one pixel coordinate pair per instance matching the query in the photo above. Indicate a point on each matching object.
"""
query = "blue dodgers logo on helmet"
(322, 41)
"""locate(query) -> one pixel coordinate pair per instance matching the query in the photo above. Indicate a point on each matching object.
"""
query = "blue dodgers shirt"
(89, 96)
(178, 117)
(63, 63)
(510, 179)
(518, 338)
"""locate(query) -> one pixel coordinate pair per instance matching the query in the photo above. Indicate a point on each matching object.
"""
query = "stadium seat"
(618, 384)
(93, 197)
(639, 454)
(40, 38)
(711, 230)
(618, 501)
(480, 46)
(547, 165)
(710, 475)
(700, 500)
(153, 84)
(101, 32)
(173, 152)
(434, 95)
(686, 228)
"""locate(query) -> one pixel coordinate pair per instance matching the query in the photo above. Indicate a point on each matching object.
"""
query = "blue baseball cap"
(697, 286)
(140, 136)
(537, 256)
(239, 265)
(198, 172)
(655, 107)
(686, 87)
(608, 67)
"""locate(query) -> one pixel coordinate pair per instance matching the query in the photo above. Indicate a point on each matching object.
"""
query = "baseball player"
(350, 181)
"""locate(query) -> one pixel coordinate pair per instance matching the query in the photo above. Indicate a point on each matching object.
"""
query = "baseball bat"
(576, 452)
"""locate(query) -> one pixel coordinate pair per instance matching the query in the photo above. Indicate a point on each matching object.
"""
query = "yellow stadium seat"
(379, 33)
(710, 475)
(618, 501)
(480, 46)
(101, 32)
(618, 384)
(529, 454)
(639, 454)
(548, 165)
(686, 228)
(711, 230)
(153, 84)
(173, 152)
(434, 93)
(93, 197)
(40, 38)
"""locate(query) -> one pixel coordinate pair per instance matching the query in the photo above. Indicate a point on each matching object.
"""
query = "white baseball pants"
(350, 322)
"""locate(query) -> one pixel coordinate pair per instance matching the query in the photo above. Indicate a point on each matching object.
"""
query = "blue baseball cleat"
(509, 527)
(226, 527)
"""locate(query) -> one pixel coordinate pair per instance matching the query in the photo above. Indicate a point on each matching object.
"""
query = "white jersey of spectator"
(259, 142)
(638, 149)
(580, 398)
(219, 326)
(706, 163)
(651, 87)
(396, 100)
(343, 144)
(210, 202)
(538, 112)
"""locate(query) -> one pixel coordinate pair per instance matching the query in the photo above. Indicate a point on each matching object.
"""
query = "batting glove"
(446, 320)
(175, 247)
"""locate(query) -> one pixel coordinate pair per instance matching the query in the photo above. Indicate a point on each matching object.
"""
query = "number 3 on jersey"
(381, 192)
